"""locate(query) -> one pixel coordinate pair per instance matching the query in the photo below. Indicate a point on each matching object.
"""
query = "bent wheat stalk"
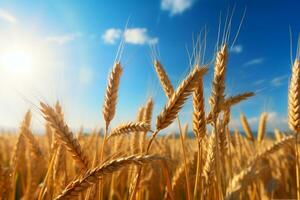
(109, 106)
(171, 109)
(216, 100)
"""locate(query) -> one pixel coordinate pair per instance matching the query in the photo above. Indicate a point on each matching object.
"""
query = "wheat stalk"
(199, 128)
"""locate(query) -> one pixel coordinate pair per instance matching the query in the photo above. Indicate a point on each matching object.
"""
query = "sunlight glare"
(17, 62)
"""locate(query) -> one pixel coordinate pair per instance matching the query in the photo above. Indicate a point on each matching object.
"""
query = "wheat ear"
(25, 130)
(15, 162)
(231, 101)
(294, 112)
(244, 178)
(110, 102)
(262, 127)
(199, 129)
(209, 166)
(294, 98)
(65, 135)
(271, 149)
(130, 127)
(148, 111)
(199, 122)
(246, 127)
(218, 85)
(278, 134)
(164, 79)
(175, 103)
(92, 176)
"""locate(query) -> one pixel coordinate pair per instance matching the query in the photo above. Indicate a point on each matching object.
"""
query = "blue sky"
(65, 49)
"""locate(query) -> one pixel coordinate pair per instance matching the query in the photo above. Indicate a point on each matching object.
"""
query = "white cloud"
(137, 36)
(85, 75)
(111, 35)
(276, 121)
(237, 49)
(7, 16)
(254, 61)
(278, 81)
(63, 39)
(176, 6)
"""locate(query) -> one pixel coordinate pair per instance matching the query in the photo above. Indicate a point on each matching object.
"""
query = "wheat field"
(134, 161)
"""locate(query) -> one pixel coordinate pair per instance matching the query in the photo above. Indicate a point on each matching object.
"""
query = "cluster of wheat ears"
(133, 161)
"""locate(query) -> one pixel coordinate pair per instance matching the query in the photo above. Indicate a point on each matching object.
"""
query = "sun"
(17, 62)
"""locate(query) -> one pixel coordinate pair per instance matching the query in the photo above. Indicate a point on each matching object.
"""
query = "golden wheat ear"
(164, 79)
(294, 98)
(65, 135)
(25, 130)
(175, 103)
(262, 127)
(248, 174)
(110, 101)
(148, 111)
(130, 127)
(92, 176)
(209, 166)
(199, 121)
(218, 85)
(246, 127)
